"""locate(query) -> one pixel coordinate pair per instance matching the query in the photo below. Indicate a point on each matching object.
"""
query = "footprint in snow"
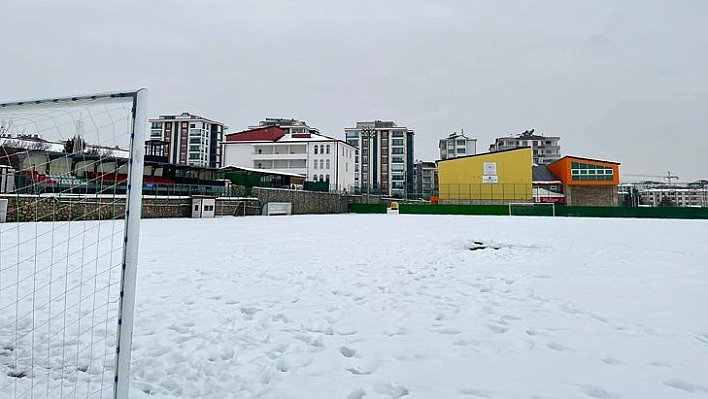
(476, 392)
(597, 392)
(347, 352)
(685, 386)
(392, 389)
(497, 329)
(556, 346)
(703, 338)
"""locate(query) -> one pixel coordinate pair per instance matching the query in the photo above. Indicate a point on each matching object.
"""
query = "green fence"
(367, 208)
(573, 211)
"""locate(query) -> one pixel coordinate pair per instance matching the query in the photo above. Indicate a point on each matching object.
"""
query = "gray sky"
(625, 81)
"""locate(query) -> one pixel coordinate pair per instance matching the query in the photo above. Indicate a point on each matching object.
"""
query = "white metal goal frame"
(527, 205)
(34, 236)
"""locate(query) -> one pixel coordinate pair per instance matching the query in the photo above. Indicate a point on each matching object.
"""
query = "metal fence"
(568, 211)
(484, 193)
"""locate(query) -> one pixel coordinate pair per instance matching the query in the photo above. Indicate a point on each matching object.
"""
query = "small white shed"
(203, 206)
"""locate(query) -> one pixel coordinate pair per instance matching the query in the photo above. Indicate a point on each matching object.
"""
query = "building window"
(328, 163)
(314, 177)
(321, 164)
(327, 177)
(589, 172)
(327, 148)
(321, 148)
(315, 150)
(315, 164)
(321, 178)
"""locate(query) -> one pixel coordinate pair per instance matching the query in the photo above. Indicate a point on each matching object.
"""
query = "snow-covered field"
(388, 306)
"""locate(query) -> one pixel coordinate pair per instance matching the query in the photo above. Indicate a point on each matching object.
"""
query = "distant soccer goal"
(532, 209)
(278, 208)
(68, 247)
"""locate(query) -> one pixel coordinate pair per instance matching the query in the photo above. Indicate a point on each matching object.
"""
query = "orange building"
(586, 181)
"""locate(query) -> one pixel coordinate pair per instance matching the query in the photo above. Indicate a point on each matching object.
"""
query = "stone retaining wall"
(34, 208)
(304, 202)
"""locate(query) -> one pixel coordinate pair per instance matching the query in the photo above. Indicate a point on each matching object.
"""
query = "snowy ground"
(364, 306)
(388, 306)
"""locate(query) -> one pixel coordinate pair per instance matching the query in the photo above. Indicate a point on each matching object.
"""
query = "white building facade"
(678, 196)
(317, 157)
(191, 139)
(384, 159)
(546, 149)
(457, 145)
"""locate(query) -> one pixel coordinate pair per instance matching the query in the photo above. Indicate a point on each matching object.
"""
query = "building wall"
(376, 170)
(687, 197)
(463, 178)
(450, 147)
(322, 161)
(562, 169)
(545, 149)
(345, 167)
(176, 131)
(306, 157)
(586, 195)
(238, 154)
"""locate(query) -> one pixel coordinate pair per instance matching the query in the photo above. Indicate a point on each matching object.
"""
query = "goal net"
(72, 182)
(277, 208)
(532, 209)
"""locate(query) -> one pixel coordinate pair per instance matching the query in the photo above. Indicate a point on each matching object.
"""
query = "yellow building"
(490, 178)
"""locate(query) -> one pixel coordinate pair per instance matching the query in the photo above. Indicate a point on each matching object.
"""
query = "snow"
(389, 306)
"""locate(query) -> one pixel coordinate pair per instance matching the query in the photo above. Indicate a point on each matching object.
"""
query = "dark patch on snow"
(479, 245)
(16, 374)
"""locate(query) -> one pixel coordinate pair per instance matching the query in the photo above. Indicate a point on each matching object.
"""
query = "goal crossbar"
(529, 208)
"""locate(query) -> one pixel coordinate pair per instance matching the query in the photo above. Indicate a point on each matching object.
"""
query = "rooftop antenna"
(79, 137)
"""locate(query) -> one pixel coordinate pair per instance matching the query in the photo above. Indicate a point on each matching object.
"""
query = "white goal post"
(69, 244)
(277, 208)
(532, 209)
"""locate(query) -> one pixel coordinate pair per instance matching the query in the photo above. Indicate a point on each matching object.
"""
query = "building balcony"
(273, 156)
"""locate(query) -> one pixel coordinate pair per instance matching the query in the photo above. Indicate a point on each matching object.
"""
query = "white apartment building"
(317, 157)
(384, 158)
(457, 145)
(190, 139)
(546, 149)
(683, 196)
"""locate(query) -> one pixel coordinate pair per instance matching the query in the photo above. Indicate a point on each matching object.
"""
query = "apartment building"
(384, 158)
(457, 145)
(426, 179)
(546, 149)
(675, 196)
(190, 139)
(293, 149)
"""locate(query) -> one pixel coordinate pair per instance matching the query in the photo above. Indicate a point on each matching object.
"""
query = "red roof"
(266, 133)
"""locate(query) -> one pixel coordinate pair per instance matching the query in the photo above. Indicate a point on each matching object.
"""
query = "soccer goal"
(532, 209)
(68, 247)
(277, 208)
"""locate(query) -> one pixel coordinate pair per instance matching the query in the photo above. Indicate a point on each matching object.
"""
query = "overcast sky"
(625, 81)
